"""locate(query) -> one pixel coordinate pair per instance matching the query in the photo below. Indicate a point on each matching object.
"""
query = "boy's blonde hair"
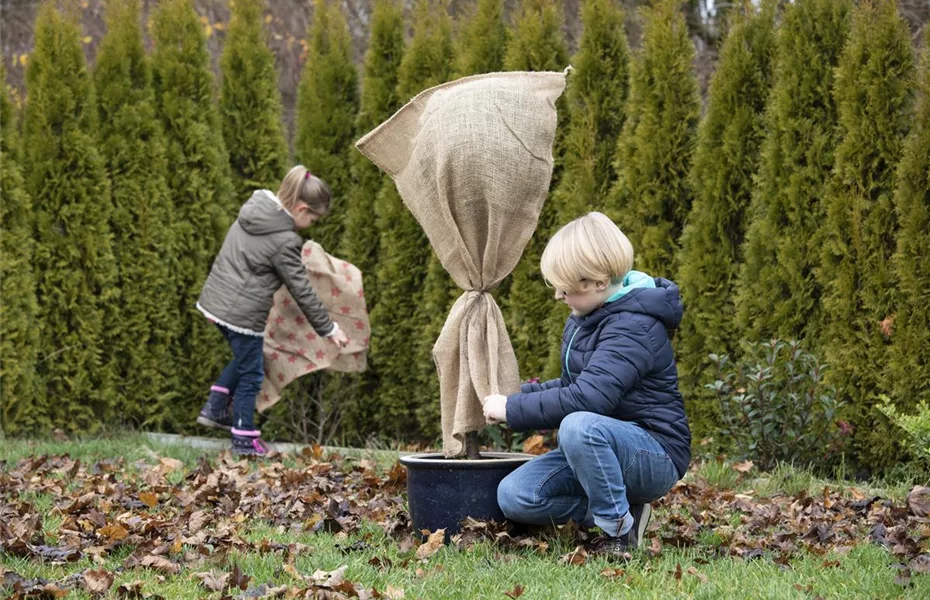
(589, 248)
(300, 185)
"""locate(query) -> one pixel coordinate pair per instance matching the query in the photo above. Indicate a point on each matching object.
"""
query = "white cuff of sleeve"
(335, 329)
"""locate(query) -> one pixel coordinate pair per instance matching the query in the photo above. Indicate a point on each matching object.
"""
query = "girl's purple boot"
(217, 412)
(247, 442)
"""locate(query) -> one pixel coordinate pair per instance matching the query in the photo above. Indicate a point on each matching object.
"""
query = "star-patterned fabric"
(293, 348)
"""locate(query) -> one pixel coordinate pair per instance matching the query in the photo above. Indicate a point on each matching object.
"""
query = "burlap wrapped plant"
(472, 160)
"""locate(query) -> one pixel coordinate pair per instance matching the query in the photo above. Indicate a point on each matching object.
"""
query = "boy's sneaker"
(622, 546)
(248, 443)
(217, 412)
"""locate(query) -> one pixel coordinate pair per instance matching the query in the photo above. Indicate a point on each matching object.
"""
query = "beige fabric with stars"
(472, 160)
(293, 348)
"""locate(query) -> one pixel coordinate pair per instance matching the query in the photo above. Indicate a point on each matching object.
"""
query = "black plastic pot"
(443, 491)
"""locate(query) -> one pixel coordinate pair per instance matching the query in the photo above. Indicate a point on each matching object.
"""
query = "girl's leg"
(617, 463)
(247, 350)
(216, 412)
(543, 491)
(230, 375)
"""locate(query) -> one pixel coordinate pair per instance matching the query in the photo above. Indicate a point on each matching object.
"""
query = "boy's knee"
(508, 497)
(574, 429)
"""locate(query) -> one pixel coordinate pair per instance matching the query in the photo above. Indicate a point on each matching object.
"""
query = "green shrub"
(652, 194)
(917, 426)
(361, 237)
(327, 105)
(21, 407)
(775, 406)
(76, 273)
(874, 93)
(199, 184)
(536, 44)
(132, 145)
(779, 290)
(250, 103)
(726, 158)
(404, 253)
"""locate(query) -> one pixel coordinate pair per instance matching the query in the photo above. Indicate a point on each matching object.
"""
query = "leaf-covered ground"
(323, 526)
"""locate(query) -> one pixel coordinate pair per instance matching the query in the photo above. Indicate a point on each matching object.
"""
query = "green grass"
(138, 446)
(484, 571)
(487, 570)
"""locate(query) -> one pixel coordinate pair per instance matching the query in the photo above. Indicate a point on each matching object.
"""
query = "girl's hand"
(340, 338)
(495, 408)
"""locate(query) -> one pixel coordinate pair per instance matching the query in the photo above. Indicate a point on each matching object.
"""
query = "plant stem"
(471, 445)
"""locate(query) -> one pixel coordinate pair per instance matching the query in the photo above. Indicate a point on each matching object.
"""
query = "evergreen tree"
(360, 239)
(250, 104)
(73, 259)
(379, 100)
(653, 195)
(536, 44)
(910, 369)
(133, 148)
(726, 158)
(327, 105)
(482, 42)
(874, 98)
(596, 98)
(204, 203)
(778, 291)
(404, 252)
(21, 409)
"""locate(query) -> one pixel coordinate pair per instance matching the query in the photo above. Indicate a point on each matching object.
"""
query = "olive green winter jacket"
(261, 252)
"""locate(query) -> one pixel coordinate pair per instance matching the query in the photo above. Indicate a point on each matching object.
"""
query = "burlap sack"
(472, 160)
(292, 347)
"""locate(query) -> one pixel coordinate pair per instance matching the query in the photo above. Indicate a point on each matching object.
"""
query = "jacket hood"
(263, 214)
(663, 303)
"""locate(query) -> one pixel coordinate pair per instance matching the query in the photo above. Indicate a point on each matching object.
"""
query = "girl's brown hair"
(301, 186)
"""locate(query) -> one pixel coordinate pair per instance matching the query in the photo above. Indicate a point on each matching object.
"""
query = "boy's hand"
(339, 338)
(495, 408)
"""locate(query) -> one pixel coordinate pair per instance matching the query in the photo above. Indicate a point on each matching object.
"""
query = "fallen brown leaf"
(613, 573)
(432, 545)
(330, 578)
(170, 464)
(743, 467)
(698, 574)
(213, 580)
(97, 582)
(393, 593)
(920, 564)
(160, 563)
(918, 500)
(577, 557)
(114, 532)
(149, 499)
(131, 590)
(516, 592)
(655, 547)
(534, 445)
(238, 579)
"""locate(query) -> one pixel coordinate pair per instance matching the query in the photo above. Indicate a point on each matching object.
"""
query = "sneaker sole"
(213, 424)
(643, 524)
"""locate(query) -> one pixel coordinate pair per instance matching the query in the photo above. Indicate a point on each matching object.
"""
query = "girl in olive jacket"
(260, 253)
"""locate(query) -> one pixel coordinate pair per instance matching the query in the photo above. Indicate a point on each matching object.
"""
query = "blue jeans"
(602, 465)
(243, 375)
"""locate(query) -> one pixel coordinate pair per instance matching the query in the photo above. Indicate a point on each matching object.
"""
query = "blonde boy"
(624, 439)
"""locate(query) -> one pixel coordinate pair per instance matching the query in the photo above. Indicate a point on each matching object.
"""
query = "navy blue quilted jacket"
(617, 361)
